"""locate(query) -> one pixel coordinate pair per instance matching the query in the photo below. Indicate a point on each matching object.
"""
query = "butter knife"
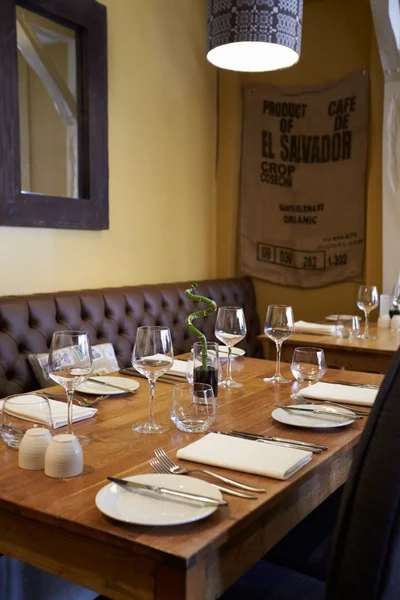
(274, 438)
(320, 411)
(134, 485)
(110, 385)
(167, 378)
(258, 439)
(368, 386)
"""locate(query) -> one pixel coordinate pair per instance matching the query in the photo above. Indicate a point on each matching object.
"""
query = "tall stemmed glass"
(230, 328)
(279, 326)
(70, 363)
(367, 300)
(152, 356)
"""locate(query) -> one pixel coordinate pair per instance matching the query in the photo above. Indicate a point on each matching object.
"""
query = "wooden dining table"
(54, 524)
(373, 355)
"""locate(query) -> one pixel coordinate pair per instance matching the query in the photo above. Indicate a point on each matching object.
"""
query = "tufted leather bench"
(112, 315)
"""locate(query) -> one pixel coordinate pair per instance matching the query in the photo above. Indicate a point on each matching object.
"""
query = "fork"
(174, 468)
(160, 468)
(356, 411)
(80, 400)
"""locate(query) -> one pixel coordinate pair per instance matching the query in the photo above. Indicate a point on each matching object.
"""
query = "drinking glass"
(348, 327)
(22, 412)
(279, 326)
(189, 368)
(230, 329)
(308, 364)
(206, 368)
(152, 356)
(193, 407)
(70, 364)
(367, 300)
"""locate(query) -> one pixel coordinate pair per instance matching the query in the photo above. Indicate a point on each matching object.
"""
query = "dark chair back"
(366, 550)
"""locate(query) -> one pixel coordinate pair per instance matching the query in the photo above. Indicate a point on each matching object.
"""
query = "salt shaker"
(33, 447)
(64, 457)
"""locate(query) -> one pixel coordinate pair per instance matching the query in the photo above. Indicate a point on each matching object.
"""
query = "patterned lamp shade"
(254, 35)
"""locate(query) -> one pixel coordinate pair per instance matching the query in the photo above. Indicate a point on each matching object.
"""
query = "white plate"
(146, 508)
(91, 387)
(300, 419)
(235, 351)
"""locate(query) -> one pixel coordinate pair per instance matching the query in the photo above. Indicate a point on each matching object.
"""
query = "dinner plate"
(235, 351)
(147, 508)
(316, 421)
(91, 387)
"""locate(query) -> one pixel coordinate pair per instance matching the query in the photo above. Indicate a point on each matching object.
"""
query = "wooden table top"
(54, 524)
(385, 342)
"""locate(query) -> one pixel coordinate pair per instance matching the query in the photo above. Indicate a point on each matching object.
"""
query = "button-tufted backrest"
(112, 315)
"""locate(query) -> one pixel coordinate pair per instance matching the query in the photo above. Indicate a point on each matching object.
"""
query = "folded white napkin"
(178, 368)
(303, 326)
(59, 411)
(341, 393)
(248, 456)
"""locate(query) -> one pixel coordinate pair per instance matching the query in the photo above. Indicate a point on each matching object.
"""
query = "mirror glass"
(48, 107)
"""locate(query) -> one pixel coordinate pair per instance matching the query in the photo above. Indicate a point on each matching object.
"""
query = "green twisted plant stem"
(201, 313)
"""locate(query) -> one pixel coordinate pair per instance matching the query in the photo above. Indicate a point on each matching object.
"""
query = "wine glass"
(152, 356)
(395, 299)
(230, 328)
(367, 300)
(308, 364)
(70, 363)
(279, 326)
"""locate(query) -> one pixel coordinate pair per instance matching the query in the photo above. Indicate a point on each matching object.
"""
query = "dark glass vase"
(206, 373)
(210, 376)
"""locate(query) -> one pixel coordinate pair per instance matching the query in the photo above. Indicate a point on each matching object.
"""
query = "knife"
(273, 438)
(167, 378)
(292, 445)
(110, 385)
(134, 485)
(320, 411)
(369, 386)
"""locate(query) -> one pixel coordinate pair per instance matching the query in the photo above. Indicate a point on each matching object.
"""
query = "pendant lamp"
(254, 35)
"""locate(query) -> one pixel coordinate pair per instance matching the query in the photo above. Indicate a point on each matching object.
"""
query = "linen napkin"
(341, 393)
(247, 456)
(59, 411)
(178, 368)
(305, 327)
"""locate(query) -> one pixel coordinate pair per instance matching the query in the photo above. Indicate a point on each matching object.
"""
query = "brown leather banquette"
(112, 315)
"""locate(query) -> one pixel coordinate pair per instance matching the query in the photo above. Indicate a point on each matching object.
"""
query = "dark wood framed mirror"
(53, 114)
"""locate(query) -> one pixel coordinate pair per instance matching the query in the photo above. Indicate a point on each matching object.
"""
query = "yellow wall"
(162, 164)
(338, 39)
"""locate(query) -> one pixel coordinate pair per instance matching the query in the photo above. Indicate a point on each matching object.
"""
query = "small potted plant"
(205, 354)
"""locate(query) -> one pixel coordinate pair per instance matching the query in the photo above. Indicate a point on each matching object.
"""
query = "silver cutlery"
(321, 412)
(135, 486)
(284, 444)
(357, 411)
(110, 385)
(163, 378)
(368, 386)
(174, 468)
(274, 438)
(80, 400)
(161, 468)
